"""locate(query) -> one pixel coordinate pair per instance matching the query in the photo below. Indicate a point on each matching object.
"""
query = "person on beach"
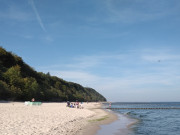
(77, 104)
(81, 105)
(68, 104)
(72, 105)
(33, 99)
(109, 104)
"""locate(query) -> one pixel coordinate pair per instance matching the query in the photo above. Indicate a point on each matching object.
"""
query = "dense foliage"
(20, 82)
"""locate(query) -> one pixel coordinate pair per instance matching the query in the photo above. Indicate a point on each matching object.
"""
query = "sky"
(127, 50)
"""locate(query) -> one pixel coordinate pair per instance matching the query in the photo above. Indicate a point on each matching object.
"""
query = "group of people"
(76, 104)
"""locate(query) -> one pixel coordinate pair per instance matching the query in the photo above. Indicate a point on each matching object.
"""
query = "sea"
(149, 119)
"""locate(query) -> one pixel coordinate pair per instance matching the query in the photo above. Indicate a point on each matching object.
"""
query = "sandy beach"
(52, 119)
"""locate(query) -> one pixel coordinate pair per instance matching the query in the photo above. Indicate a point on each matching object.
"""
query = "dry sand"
(51, 119)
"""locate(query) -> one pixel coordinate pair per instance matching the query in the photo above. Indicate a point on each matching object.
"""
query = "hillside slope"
(20, 82)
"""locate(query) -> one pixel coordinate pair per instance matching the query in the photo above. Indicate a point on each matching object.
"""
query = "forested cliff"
(20, 82)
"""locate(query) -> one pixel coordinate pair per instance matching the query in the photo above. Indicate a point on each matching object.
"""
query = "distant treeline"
(20, 82)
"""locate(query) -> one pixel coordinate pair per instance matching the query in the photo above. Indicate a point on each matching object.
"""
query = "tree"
(14, 79)
(57, 85)
(13, 75)
(19, 81)
(30, 88)
(4, 91)
(15, 93)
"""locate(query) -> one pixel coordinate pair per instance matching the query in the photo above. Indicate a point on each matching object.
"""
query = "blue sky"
(128, 50)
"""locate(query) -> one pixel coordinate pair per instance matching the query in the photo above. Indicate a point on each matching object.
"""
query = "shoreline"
(101, 117)
(108, 122)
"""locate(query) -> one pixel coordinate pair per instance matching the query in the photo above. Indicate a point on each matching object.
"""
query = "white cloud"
(83, 62)
(130, 72)
(138, 85)
(15, 13)
(129, 11)
(47, 38)
(37, 15)
(80, 77)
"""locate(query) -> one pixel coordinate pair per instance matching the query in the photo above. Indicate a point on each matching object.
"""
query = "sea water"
(144, 121)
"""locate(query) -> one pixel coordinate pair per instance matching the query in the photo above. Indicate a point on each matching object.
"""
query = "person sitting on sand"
(68, 104)
(32, 100)
(77, 104)
(71, 105)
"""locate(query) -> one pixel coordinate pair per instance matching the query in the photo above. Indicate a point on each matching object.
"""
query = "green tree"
(4, 91)
(57, 85)
(19, 81)
(13, 76)
(2, 51)
(31, 88)
(15, 93)
(14, 79)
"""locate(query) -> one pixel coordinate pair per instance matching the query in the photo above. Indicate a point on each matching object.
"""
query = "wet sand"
(112, 124)
(122, 126)
(101, 117)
